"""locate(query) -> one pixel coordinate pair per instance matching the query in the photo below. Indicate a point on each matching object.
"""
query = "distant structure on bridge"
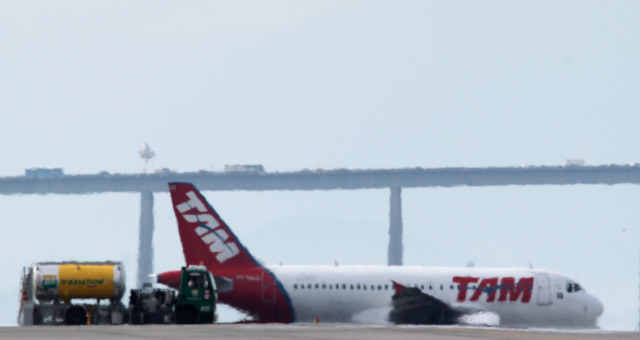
(574, 172)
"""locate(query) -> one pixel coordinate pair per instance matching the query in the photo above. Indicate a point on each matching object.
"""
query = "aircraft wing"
(411, 306)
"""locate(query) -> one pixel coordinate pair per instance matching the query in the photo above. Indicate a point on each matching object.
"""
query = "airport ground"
(297, 331)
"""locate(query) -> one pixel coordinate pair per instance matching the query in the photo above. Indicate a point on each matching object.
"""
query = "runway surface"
(301, 331)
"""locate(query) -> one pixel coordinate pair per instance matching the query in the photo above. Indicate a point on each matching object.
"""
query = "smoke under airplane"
(518, 296)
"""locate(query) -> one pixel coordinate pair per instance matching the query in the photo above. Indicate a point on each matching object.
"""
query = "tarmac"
(300, 331)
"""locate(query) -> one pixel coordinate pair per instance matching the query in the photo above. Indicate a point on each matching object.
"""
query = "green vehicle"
(195, 301)
(197, 296)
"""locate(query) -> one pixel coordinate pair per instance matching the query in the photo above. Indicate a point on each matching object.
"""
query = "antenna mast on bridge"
(146, 153)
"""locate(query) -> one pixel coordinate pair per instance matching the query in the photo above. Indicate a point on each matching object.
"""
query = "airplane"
(521, 297)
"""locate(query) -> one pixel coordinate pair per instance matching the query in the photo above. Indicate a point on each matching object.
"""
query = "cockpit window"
(573, 287)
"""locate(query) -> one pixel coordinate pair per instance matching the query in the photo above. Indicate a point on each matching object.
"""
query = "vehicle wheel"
(146, 318)
(37, 318)
(207, 318)
(75, 316)
(125, 315)
(135, 317)
(185, 315)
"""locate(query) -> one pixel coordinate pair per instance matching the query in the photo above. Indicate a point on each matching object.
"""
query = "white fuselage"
(340, 293)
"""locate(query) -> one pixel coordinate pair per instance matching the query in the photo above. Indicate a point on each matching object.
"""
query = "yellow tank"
(78, 280)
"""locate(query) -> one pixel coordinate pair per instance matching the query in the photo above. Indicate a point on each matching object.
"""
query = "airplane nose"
(594, 308)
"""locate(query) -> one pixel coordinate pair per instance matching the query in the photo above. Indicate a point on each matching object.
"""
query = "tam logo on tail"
(208, 228)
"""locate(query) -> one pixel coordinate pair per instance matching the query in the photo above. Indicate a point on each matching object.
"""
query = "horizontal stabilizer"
(224, 284)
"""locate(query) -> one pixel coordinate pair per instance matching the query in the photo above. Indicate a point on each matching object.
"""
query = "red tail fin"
(206, 239)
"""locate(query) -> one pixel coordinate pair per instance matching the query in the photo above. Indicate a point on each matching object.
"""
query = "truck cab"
(193, 302)
(197, 296)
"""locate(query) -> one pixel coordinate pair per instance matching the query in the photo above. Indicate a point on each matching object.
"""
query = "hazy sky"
(329, 84)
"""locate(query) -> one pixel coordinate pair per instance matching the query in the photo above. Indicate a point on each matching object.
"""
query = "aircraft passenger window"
(295, 286)
(344, 286)
(386, 287)
(441, 287)
(351, 287)
(422, 287)
(301, 287)
(330, 286)
(317, 286)
(358, 286)
(451, 287)
(430, 287)
(379, 287)
(364, 287)
(309, 286)
(324, 286)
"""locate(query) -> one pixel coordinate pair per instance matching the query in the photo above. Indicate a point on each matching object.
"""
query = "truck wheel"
(146, 318)
(125, 316)
(185, 314)
(37, 318)
(207, 318)
(75, 316)
(134, 316)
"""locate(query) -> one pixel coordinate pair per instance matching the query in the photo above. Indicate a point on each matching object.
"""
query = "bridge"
(394, 179)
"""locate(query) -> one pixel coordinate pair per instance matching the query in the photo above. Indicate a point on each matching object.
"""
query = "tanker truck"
(50, 292)
(63, 293)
